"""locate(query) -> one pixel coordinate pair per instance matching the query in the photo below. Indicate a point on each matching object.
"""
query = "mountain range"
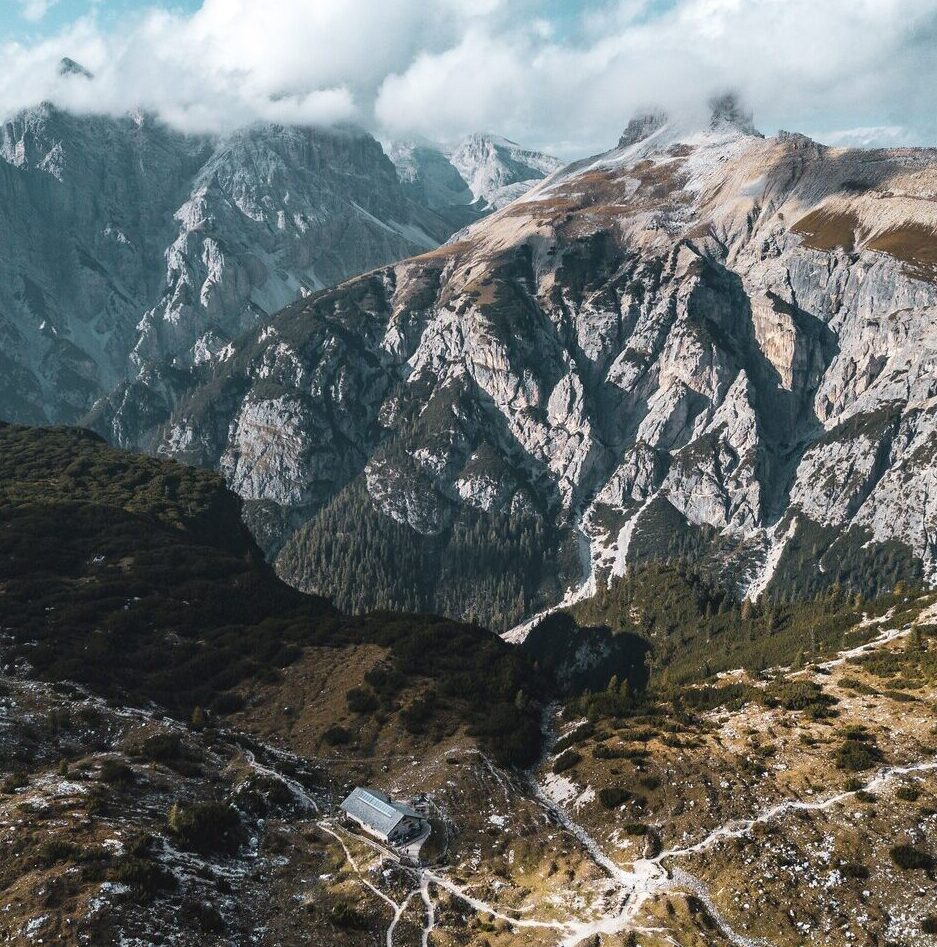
(125, 242)
(703, 343)
(663, 419)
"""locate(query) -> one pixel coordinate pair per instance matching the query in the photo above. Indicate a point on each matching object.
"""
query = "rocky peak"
(497, 170)
(68, 67)
(727, 110)
(641, 127)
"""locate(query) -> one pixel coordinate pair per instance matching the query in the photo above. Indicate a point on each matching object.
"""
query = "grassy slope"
(137, 577)
(697, 630)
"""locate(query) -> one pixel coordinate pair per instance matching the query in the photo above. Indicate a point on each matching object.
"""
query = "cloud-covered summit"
(563, 76)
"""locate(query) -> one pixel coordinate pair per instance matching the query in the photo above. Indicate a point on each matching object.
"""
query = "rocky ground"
(800, 808)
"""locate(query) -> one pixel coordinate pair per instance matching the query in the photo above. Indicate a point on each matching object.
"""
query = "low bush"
(611, 797)
(228, 702)
(602, 751)
(206, 827)
(853, 870)
(14, 783)
(418, 713)
(55, 850)
(361, 701)
(345, 915)
(907, 793)
(336, 736)
(162, 748)
(116, 773)
(857, 755)
(145, 877)
(566, 760)
(910, 858)
(205, 915)
(575, 737)
(799, 695)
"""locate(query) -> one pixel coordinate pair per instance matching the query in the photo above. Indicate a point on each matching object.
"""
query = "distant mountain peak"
(642, 126)
(68, 67)
(727, 110)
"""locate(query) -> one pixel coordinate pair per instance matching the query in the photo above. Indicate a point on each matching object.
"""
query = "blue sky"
(21, 22)
(564, 75)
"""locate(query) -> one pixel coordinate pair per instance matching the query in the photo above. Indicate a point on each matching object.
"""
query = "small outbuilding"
(379, 816)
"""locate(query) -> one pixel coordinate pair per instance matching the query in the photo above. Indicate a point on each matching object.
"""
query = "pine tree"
(625, 696)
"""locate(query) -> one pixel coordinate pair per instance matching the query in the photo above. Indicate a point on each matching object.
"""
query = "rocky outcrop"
(701, 343)
(480, 174)
(124, 244)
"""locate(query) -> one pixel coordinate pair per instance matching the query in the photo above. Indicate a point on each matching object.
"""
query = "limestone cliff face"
(704, 343)
(124, 244)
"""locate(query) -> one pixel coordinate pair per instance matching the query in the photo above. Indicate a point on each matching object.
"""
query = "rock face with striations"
(123, 243)
(703, 343)
(480, 174)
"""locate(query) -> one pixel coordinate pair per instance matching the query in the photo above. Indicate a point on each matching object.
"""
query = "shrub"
(361, 701)
(856, 756)
(162, 748)
(228, 702)
(140, 844)
(857, 731)
(575, 738)
(907, 793)
(929, 924)
(799, 695)
(14, 783)
(116, 773)
(418, 713)
(635, 828)
(343, 914)
(206, 826)
(853, 870)
(602, 751)
(55, 850)
(204, 915)
(144, 876)
(611, 797)
(336, 736)
(650, 782)
(908, 858)
(566, 760)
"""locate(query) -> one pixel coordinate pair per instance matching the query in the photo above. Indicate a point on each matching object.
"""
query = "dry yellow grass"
(913, 244)
(828, 230)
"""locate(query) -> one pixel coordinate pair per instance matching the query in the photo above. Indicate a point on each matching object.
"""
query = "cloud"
(35, 10)
(441, 68)
(868, 136)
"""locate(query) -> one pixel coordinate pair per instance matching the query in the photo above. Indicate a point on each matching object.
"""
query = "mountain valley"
(790, 805)
(414, 543)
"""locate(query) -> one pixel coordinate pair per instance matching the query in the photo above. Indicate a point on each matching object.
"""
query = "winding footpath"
(631, 887)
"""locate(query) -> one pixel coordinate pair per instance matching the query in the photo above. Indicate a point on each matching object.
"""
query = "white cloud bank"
(444, 67)
(35, 10)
